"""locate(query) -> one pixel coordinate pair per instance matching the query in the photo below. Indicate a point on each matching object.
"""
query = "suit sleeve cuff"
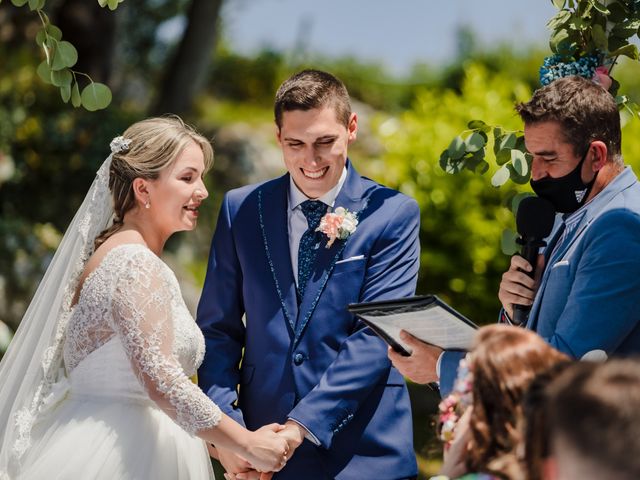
(438, 364)
(307, 433)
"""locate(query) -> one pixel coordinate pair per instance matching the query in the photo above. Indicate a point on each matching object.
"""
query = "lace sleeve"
(142, 316)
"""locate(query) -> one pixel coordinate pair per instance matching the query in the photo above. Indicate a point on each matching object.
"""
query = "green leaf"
(503, 156)
(76, 101)
(508, 140)
(625, 29)
(500, 177)
(64, 55)
(600, 7)
(54, 32)
(95, 96)
(65, 93)
(559, 19)
(474, 142)
(19, 3)
(41, 36)
(600, 38)
(615, 43)
(479, 125)
(508, 243)
(617, 13)
(497, 134)
(33, 4)
(577, 23)
(456, 148)
(474, 161)
(61, 78)
(44, 72)
(444, 159)
(519, 162)
(557, 38)
(102, 3)
(483, 167)
(559, 4)
(515, 176)
(629, 50)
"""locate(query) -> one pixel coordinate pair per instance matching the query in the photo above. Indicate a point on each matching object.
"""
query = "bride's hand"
(267, 451)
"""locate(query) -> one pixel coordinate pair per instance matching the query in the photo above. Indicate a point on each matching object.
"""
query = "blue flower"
(556, 66)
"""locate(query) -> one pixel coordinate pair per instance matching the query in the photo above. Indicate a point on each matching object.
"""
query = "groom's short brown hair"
(311, 89)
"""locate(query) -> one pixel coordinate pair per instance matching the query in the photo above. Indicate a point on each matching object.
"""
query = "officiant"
(584, 299)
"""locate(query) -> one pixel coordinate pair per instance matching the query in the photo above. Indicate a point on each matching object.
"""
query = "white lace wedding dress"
(126, 408)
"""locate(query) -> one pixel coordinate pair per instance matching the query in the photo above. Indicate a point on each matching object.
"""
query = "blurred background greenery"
(49, 151)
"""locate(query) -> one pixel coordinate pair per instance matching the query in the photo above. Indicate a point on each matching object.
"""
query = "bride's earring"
(148, 204)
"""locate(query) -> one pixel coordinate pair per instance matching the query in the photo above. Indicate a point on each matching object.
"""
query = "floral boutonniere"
(338, 224)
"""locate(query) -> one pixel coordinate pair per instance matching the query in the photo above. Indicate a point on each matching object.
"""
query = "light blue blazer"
(312, 362)
(589, 294)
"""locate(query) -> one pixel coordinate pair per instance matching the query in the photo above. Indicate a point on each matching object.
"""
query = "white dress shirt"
(297, 222)
(297, 225)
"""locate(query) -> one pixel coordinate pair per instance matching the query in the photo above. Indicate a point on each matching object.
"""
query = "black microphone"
(534, 221)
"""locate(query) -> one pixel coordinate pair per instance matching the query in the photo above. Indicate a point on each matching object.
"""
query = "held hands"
(267, 451)
(239, 469)
(516, 286)
(294, 434)
(420, 367)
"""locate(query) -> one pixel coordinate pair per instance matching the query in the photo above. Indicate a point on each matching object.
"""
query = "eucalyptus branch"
(60, 56)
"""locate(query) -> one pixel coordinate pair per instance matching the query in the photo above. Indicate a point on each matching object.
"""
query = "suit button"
(298, 359)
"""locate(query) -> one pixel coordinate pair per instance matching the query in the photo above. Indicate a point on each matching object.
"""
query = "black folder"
(425, 317)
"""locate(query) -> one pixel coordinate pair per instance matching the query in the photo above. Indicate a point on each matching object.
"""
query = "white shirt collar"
(296, 197)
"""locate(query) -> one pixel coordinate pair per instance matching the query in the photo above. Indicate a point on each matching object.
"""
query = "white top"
(131, 303)
(297, 222)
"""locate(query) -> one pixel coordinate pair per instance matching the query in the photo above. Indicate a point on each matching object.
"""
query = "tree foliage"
(584, 34)
(462, 219)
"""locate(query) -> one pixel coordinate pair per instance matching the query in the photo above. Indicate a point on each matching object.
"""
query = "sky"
(398, 33)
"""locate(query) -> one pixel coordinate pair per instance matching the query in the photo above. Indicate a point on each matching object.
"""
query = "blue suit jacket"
(312, 362)
(589, 295)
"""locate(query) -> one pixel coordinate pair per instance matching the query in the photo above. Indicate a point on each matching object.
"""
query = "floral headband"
(454, 405)
(120, 145)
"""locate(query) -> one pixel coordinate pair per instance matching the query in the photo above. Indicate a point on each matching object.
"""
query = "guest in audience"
(590, 424)
(487, 440)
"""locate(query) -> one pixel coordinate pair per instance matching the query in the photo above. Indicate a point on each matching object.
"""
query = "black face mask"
(567, 193)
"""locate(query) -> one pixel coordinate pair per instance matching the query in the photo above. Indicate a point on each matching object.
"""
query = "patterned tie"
(313, 211)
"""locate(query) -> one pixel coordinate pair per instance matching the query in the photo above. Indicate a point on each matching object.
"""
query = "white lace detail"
(76, 247)
(134, 295)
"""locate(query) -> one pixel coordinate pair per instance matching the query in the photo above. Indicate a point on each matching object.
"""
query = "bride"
(95, 384)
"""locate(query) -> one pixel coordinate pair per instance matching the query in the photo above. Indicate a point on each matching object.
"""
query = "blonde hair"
(155, 144)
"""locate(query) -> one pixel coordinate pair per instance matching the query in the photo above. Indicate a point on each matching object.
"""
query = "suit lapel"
(272, 210)
(350, 197)
(532, 320)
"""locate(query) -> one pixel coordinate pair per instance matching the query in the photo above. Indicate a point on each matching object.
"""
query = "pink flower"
(339, 224)
(601, 76)
(331, 225)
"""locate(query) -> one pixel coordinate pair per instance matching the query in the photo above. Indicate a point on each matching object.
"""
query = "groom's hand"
(294, 434)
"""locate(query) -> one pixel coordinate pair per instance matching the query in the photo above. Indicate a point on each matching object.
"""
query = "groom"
(300, 358)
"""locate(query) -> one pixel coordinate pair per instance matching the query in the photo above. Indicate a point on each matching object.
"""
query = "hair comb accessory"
(120, 144)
